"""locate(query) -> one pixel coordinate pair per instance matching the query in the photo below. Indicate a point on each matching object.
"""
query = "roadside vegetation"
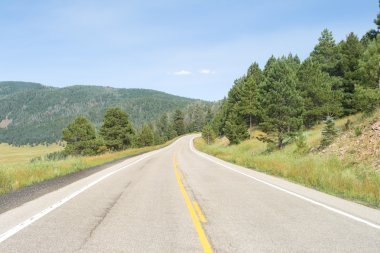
(314, 122)
(345, 174)
(15, 175)
(84, 146)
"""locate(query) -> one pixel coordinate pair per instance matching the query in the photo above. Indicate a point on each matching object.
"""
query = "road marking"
(198, 226)
(199, 211)
(332, 209)
(51, 208)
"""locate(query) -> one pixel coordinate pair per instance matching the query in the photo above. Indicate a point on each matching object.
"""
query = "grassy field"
(11, 155)
(329, 173)
(17, 171)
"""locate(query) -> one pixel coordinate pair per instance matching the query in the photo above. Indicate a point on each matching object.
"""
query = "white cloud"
(182, 73)
(206, 71)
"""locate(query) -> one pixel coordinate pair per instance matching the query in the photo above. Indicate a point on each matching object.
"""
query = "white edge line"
(51, 208)
(332, 209)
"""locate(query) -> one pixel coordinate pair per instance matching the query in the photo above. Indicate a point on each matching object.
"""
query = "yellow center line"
(199, 211)
(198, 226)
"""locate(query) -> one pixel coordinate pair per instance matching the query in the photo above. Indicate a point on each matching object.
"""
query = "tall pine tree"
(178, 122)
(280, 103)
(316, 88)
(326, 53)
(117, 131)
(369, 65)
(248, 104)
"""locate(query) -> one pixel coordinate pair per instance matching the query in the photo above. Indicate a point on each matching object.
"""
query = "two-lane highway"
(180, 200)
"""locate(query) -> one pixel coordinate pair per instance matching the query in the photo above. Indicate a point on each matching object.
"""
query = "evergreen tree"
(369, 65)
(235, 128)
(208, 134)
(248, 105)
(326, 53)
(280, 103)
(162, 125)
(367, 100)
(197, 119)
(316, 88)
(209, 115)
(178, 122)
(80, 137)
(146, 136)
(329, 132)
(218, 122)
(117, 131)
(171, 132)
(301, 142)
(351, 50)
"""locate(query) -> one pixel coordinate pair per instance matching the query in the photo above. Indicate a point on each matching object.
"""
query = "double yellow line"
(193, 209)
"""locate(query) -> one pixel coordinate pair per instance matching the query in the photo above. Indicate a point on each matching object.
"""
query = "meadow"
(17, 169)
(324, 171)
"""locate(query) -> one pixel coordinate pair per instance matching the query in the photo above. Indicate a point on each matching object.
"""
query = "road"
(180, 200)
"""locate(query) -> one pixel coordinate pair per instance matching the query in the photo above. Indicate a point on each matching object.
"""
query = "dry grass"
(323, 171)
(16, 170)
(11, 155)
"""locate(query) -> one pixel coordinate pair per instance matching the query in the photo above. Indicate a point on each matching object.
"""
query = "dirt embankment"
(361, 143)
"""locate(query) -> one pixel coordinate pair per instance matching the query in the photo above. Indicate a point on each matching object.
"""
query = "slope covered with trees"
(289, 95)
(39, 113)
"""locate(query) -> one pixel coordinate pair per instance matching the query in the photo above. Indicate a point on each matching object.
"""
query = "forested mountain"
(34, 113)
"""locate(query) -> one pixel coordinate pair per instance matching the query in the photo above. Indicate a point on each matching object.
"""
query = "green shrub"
(358, 131)
(329, 132)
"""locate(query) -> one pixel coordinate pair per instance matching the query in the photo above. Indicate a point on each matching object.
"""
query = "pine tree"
(301, 142)
(326, 53)
(162, 125)
(366, 100)
(329, 132)
(316, 88)
(219, 120)
(198, 120)
(208, 134)
(117, 131)
(178, 122)
(369, 65)
(351, 50)
(280, 103)
(146, 136)
(80, 137)
(235, 128)
(248, 105)
(234, 123)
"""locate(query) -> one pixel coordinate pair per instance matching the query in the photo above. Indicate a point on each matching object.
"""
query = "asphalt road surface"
(180, 200)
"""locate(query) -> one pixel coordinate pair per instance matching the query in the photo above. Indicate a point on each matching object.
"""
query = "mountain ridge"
(38, 113)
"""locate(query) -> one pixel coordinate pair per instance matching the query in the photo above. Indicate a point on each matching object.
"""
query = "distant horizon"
(191, 49)
(108, 86)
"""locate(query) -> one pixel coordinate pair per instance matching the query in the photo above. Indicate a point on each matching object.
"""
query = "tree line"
(118, 133)
(287, 95)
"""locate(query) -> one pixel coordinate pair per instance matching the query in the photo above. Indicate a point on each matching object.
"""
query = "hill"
(34, 113)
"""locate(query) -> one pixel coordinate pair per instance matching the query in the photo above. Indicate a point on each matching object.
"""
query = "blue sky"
(188, 48)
